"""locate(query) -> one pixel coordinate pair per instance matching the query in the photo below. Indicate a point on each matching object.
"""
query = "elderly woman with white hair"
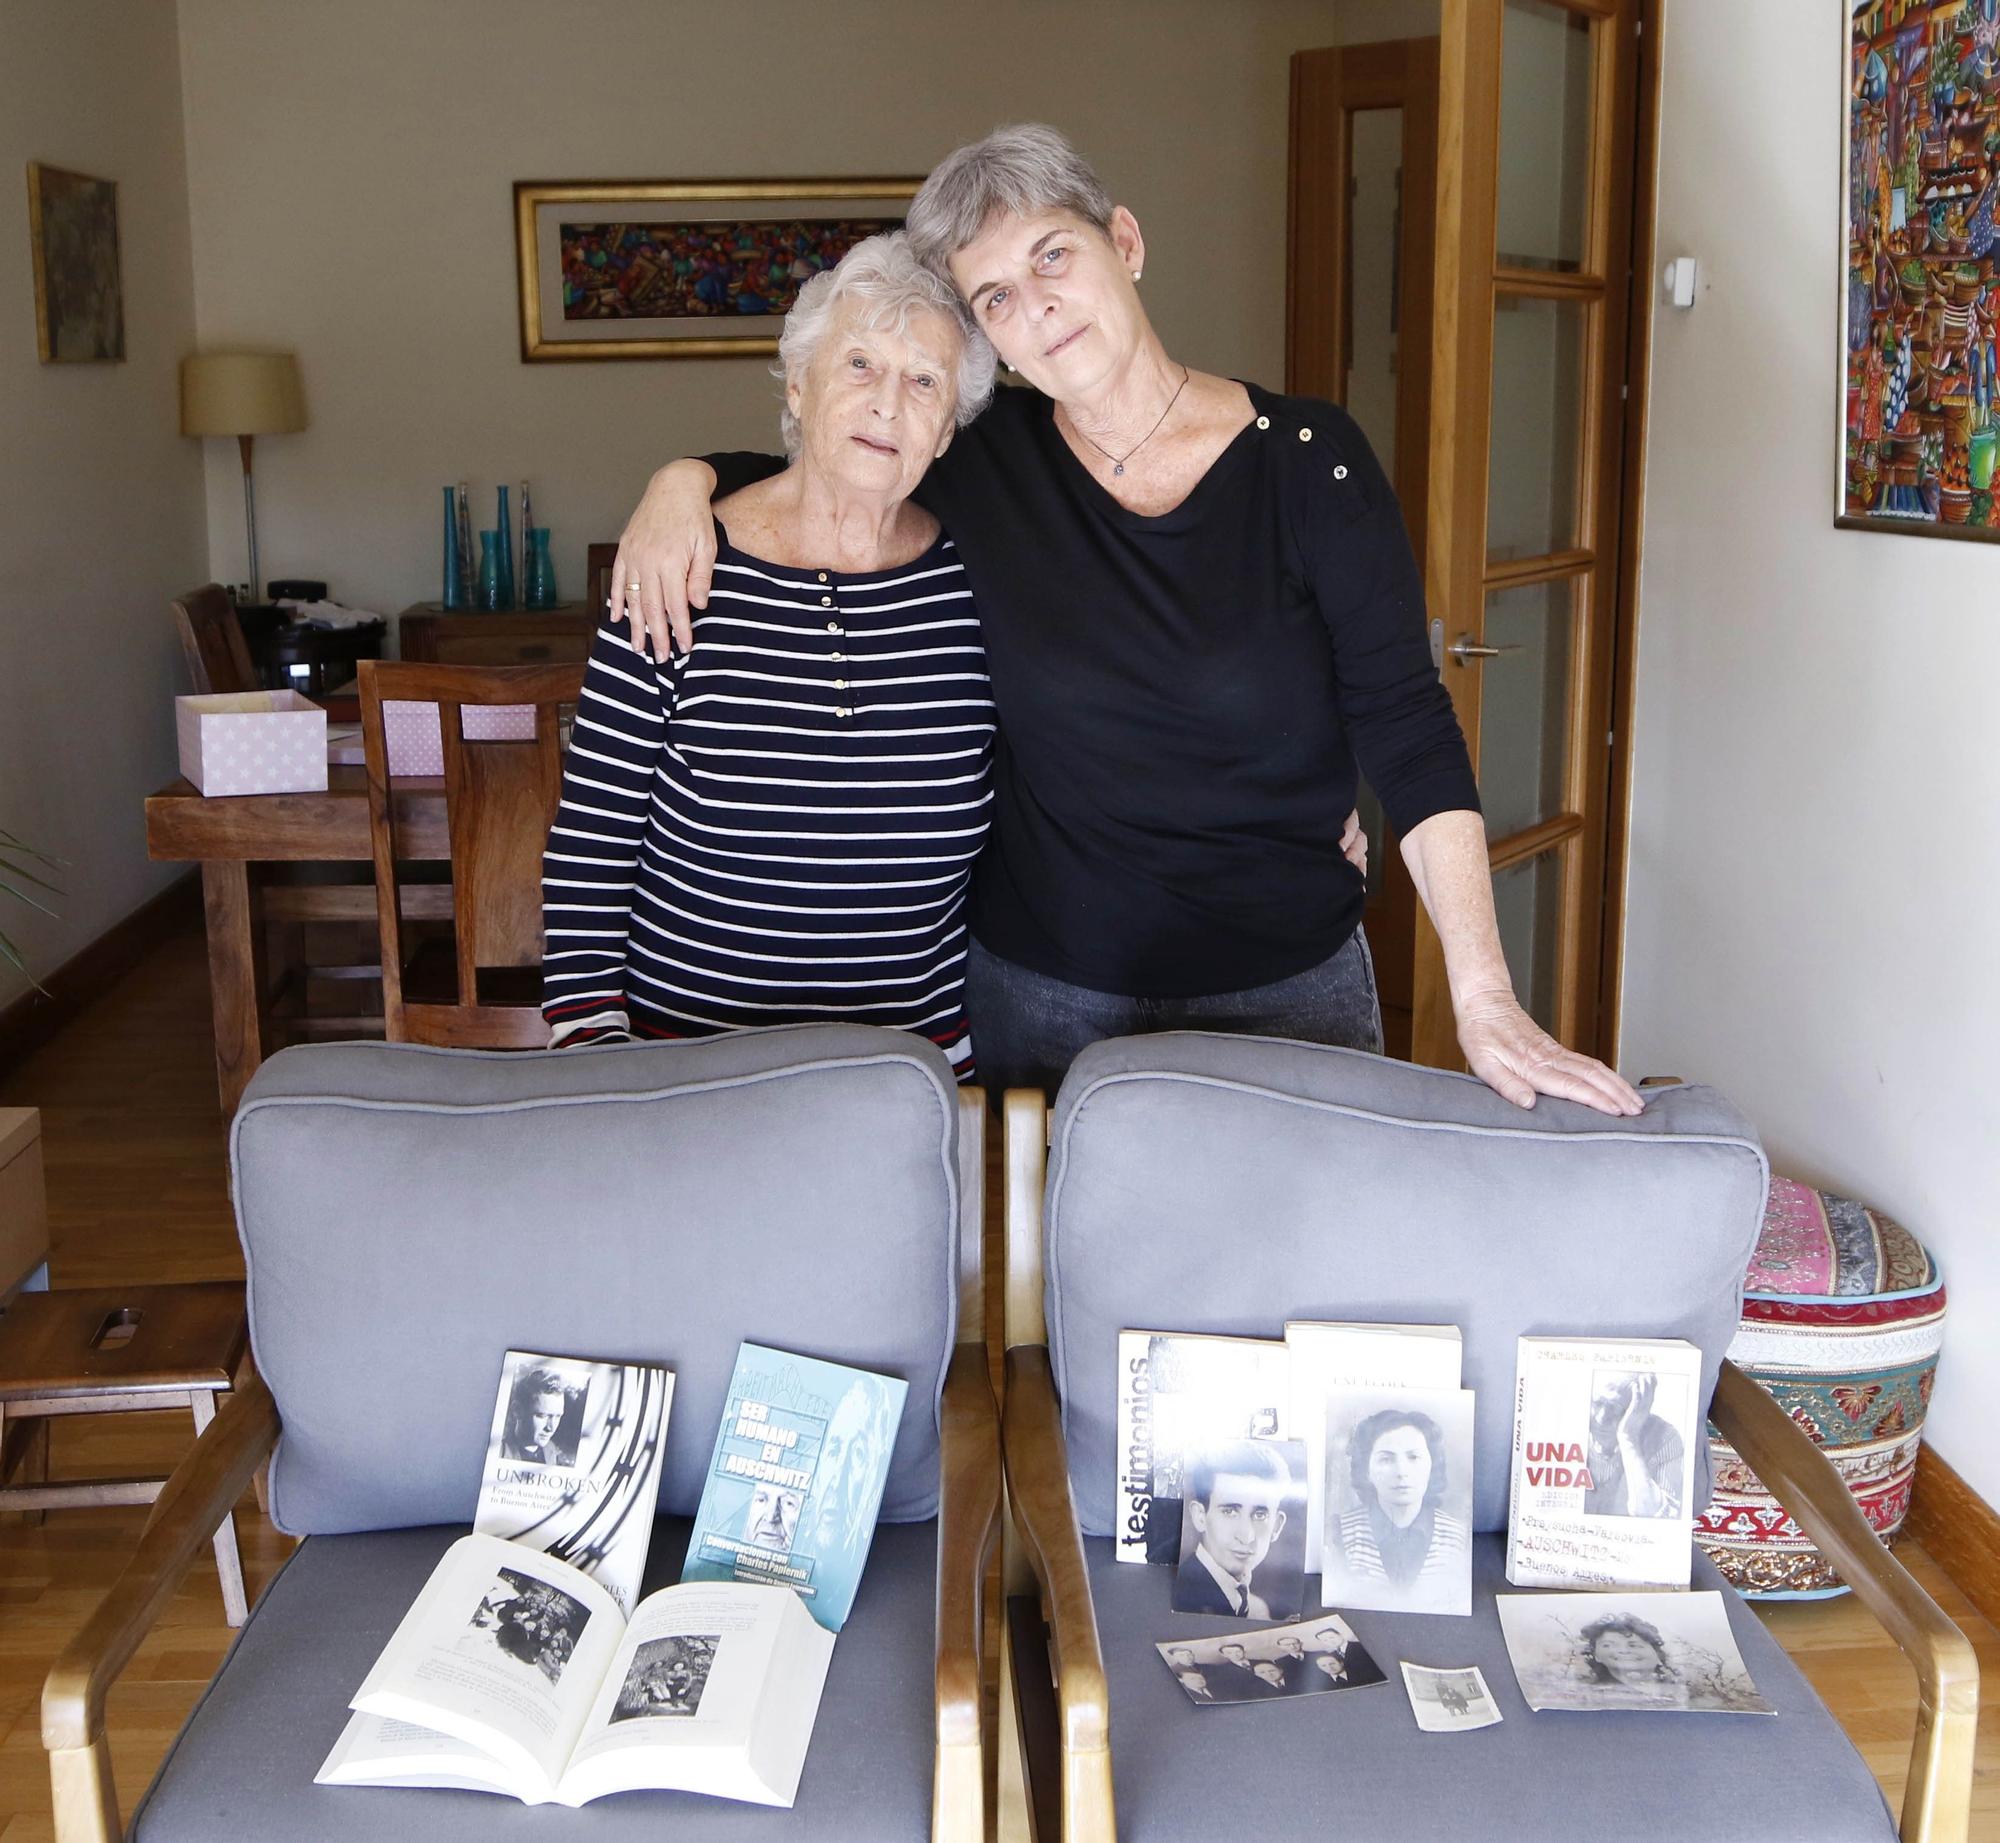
(1204, 621)
(779, 826)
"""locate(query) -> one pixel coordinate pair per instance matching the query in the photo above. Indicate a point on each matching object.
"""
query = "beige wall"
(102, 496)
(350, 169)
(1815, 863)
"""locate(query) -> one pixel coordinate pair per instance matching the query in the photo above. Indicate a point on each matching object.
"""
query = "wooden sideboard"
(541, 636)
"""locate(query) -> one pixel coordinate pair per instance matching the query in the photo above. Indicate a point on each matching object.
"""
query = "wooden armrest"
(1937, 1801)
(968, 1521)
(1037, 1464)
(203, 1490)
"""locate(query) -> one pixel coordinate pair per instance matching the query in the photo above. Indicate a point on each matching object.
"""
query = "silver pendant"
(1118, 467)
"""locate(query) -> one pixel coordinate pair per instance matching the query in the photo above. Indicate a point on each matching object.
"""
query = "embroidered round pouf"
(1843, 1317)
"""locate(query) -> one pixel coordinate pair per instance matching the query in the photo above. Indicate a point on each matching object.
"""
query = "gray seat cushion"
(1213, 1183)
(242, 1768)
(409, 1214)
(1353, 1763)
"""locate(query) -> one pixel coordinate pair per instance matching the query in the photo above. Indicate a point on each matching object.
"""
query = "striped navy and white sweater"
(779, 826)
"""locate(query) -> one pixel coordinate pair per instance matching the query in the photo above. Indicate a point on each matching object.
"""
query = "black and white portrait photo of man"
(543, 1400)
(1240, 1499)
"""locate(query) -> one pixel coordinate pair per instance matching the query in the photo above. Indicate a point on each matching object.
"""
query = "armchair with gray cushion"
(408, 1215)
(1219, 1184)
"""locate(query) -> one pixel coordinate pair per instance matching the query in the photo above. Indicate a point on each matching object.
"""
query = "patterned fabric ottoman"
(1843, 1316)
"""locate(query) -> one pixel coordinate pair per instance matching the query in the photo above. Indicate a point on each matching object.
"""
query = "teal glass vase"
(457, 591)
(538, 569)
(504, 530)
(495, 591)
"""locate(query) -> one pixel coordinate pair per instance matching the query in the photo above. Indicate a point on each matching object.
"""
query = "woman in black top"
(1200, 612)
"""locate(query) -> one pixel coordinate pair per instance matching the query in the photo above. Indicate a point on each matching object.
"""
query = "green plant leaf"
(21, 895)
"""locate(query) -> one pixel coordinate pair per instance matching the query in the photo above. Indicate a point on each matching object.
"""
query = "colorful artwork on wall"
(1919, 311)
(79, 300)
(681, 269)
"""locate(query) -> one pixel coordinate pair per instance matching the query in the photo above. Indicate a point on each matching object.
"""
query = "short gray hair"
(883, 273)
(1023, 169)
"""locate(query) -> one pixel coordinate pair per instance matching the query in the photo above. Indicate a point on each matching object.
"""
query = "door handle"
(1465, 650)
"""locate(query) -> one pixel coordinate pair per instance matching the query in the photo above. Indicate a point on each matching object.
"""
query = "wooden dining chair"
(218, 656)
(484, 992)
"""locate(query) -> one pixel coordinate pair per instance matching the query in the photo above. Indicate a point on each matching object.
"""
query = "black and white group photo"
(1305, 1658)
(667, 1677)
(528, 1621)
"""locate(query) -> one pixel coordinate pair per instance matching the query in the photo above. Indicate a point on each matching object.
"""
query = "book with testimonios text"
(1176, 1391)
(573, 1463)
(796, 1479)
(518, 1674)
(1601, 1492)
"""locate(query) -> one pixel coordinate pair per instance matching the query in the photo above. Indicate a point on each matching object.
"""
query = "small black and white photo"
(1304, 1658)
(1243, 1530)
(1637, 1458)
(1449, 1701)
(1667, 1652)
(544, 1416)
(528, 1621)
(667, 1677)
(1398, 1500)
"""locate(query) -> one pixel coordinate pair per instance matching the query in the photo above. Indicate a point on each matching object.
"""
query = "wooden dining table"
(227, 835)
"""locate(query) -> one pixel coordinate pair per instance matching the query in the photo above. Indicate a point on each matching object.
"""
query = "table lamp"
(244, 394)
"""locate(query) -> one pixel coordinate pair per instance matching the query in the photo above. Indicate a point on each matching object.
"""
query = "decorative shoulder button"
(1340, 472)
(1305, 435)
(1263, 422)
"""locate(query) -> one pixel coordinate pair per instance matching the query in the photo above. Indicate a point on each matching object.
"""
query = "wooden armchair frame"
(213, 1477)
(1067, 1764)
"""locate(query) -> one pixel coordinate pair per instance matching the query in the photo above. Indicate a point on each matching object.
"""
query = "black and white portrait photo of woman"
(1399, 1498)
(1666, 1652)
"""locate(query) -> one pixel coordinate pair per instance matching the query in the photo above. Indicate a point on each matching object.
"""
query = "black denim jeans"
(1028, 1027)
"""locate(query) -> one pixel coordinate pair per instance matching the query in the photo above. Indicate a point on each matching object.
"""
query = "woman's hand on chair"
(1517, 1058)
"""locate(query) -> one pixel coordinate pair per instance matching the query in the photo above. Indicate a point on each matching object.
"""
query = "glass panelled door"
(1535, 188)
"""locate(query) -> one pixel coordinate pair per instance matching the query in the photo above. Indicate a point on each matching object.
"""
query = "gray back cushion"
(1211, 1183)
(409, 1214)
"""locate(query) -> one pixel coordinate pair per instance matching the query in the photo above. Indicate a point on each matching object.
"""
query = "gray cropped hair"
(1025, 168)
(883, 273)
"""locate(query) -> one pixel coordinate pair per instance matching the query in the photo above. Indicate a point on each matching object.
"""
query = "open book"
(514, 1672)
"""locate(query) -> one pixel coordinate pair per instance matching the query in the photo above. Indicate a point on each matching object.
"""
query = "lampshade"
(241, 393)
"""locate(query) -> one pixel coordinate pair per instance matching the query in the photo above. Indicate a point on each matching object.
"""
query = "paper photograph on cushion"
(1671, 1653)
(1307, 1657)
(1449, 1701)
(1398, 1500)
(1243, 1545)
(573, 1463)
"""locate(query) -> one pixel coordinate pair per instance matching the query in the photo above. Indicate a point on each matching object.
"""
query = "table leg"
(228, 1561)
(235, 977)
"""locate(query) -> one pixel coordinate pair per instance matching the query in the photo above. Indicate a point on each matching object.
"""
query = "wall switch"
(1680, 279)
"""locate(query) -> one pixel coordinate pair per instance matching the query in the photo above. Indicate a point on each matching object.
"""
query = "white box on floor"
(24, 1210)
(252, 742)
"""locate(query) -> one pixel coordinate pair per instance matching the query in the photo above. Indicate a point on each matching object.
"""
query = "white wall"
(1815, 865)
(100, 496)
(350, 168)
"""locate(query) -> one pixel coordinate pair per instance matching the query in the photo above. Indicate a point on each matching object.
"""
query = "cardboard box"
(252, 742)
(24, 1210)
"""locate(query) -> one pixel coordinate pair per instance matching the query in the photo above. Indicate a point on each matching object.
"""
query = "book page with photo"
(1243, 1546)
(1327, 1356)
(515, 1673)
(1601, 1492)
(1177, 1389)
(1398, 1500)
(573, 1463)
(1665, 1653)
(796, 1478)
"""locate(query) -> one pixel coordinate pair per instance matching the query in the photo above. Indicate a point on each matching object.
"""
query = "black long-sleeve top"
(1183, 700)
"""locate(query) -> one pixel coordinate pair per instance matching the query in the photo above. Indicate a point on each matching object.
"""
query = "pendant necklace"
(1118, 460)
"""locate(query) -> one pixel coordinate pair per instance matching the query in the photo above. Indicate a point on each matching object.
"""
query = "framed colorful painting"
(1920, 357)
(681, 269)
(73, 234)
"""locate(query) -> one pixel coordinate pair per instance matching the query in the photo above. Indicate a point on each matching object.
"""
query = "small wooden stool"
(115, 1351)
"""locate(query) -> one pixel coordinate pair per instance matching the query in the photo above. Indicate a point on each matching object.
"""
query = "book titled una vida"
(796, 1478)
(573, 1463)
(515, 1673)
(1602, 1484)
(1179, 1391)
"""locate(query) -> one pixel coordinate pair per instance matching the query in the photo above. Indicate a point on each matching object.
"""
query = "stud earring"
(1136, 273)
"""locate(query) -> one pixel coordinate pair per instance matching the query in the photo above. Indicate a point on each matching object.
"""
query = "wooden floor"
(135, 1156)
